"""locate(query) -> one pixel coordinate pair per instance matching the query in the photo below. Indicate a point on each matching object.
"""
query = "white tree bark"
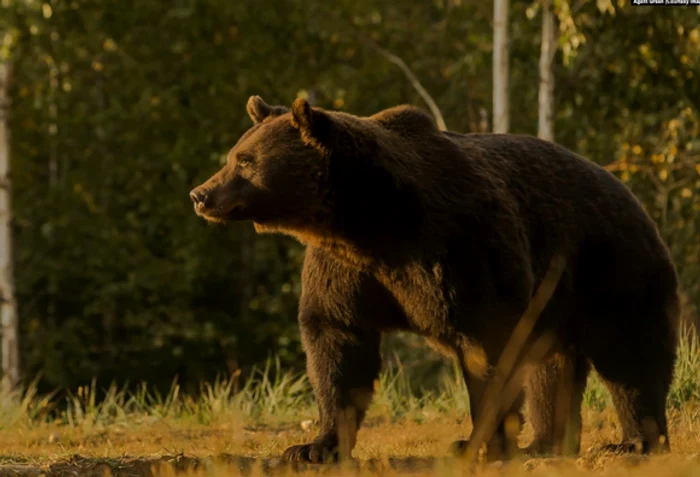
(501, 114)
(545, 126)
(8, 307)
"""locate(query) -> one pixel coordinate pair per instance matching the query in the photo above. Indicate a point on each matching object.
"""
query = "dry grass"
(232, 443)
(225, 433)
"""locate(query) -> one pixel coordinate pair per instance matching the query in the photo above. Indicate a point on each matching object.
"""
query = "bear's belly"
(427, 301)
(449, 304)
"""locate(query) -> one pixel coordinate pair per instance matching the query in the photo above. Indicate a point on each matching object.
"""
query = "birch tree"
(8, 308)
(501, 115)
(545, 126)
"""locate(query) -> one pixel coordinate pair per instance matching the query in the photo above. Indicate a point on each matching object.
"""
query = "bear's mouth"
(223, 215)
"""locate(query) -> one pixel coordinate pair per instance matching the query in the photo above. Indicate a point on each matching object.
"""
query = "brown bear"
(448, 235)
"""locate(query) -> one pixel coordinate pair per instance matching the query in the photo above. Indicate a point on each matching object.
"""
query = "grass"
(232, 426)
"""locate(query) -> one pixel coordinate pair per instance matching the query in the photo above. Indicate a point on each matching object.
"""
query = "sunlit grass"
(271, 395)
(272, 409)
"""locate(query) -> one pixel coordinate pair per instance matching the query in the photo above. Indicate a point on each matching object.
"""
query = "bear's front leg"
(342, 363)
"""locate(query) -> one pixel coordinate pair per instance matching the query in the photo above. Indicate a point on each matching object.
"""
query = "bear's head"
(310, 173)
(272, 176)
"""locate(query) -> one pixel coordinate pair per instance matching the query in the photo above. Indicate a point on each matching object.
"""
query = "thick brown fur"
(448, 235)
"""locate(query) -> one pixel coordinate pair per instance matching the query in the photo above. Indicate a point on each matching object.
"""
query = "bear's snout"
(199, 197)
(218, 203)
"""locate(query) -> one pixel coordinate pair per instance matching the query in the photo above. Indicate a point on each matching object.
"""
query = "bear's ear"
(314, 125)
(302, 114)
(259, 110)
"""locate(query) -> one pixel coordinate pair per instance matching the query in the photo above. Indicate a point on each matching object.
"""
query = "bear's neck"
(371, 215)
(360, 226)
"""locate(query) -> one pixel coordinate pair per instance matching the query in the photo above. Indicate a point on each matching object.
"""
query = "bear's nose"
(198, 197)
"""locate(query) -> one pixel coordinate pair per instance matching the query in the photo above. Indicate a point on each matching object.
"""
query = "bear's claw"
(313, 453)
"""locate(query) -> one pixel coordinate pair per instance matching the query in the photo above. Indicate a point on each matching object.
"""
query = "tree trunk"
(545, 127)
(8, 307)
(501, 116)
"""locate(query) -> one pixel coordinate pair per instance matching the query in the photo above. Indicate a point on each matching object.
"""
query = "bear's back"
(554, 183)
(565, 198)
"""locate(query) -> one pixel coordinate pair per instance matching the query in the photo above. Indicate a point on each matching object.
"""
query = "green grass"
(273, 395)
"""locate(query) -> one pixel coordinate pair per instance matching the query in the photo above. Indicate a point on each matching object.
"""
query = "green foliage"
(119, 109)
(115, 120)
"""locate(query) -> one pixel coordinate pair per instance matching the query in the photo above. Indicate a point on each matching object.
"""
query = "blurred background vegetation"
(120, 107)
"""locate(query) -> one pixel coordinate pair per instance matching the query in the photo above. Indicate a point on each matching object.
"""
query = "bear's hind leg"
(642, 417)
(640, 402)
(554, 393)
(638, 372)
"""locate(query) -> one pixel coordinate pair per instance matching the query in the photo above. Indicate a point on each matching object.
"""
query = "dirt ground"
(231, 447)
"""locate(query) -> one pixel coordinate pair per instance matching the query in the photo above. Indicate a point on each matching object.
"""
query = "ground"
(236, 428)
(230, 446)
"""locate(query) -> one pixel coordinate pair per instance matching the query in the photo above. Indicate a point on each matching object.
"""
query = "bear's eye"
(244, 159)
